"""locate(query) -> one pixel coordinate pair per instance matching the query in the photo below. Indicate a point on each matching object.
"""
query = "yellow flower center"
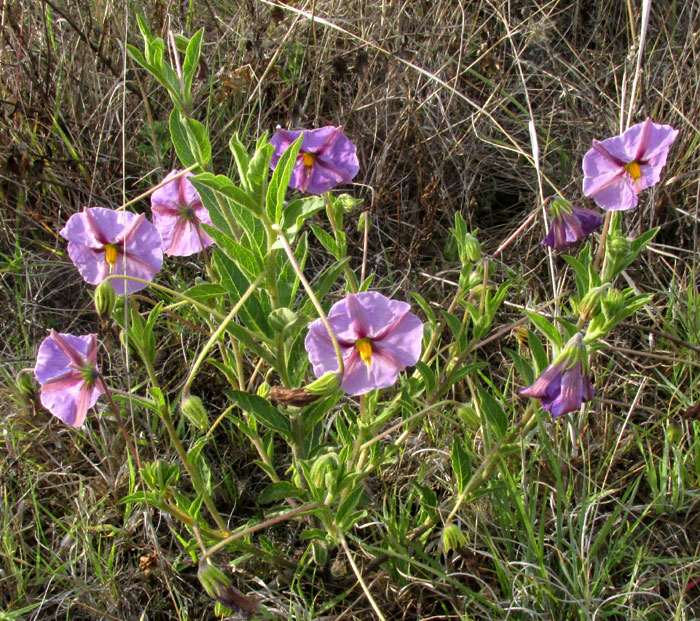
(364, 347)
(634, 170)
(111, 253)
(308, 160)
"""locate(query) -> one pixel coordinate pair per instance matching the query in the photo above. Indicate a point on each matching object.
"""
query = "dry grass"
(437, 95)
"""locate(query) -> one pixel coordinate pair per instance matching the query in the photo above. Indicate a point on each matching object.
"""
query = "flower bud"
(281, 319)
(194, 411)
(452, 538)
(263, 390)
(618, 253)
(469, 415)
(612, 303)
(590, 303)
(347, 203)
(25, 383)
(472, 248)
(105, 299)
(363, 222)
(218, 586)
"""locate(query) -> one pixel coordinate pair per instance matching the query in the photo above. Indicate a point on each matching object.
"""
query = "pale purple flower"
(616, 170)
(378, 339)
(326, 158)
(66, 368)
(565, 384)
(178, 213)
(570, 224)
(104, 242)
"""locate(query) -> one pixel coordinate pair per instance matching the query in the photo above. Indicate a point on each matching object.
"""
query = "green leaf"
(547, 328)
(454, 323)
(259, 167)
(244, 258)
(205, 291)
(538, 352)
(178, 134)
(427, 374)
(314, 413)
(138, 57)
(281, 490)
(494, 412)
(227, 214)
(263, 411)
(425, 307)
(326, 240)
(252, 313)
(347, 506)
(324, 284)
(242, 159)
(288, 280)
(189, 65)
(297, 212)
(523, 368)
(223, 185)
(461, 464)
(279, 183)
(190, 139)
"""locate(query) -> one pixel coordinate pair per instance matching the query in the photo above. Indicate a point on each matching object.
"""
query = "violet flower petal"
(395, 336)
(334, 158)
(606, 177)
(144, 256)
(64, 390)
(320, 348)
(177, 214)
(382, 372)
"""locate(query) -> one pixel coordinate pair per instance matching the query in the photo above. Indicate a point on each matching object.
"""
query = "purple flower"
(104, 242)
(570, 224)
(378, 338)
(177, 214)
(326, 159)
(66, 368)
(565, 384)
(617, 169)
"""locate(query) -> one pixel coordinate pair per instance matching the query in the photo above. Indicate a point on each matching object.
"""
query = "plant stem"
(218, 332)
(312, 296)
(257, 527)
(120, 422)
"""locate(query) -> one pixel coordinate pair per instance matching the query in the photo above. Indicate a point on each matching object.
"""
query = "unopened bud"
(452, 538)
(263, 390)
(347, 203)
(281, 319)
(612, 303)
(105, 299)
(218, 586)
(363, 222)
(25, 383)
(472, 248)
(590, 303)
(193, 409)
(469, 415)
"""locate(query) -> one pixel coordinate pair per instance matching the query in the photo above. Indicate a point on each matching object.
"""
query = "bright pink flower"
(378, 339)
(326, 159)
(177, 214)
(66, 368)
(617, 169)
(565, 384)
(104, 242)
